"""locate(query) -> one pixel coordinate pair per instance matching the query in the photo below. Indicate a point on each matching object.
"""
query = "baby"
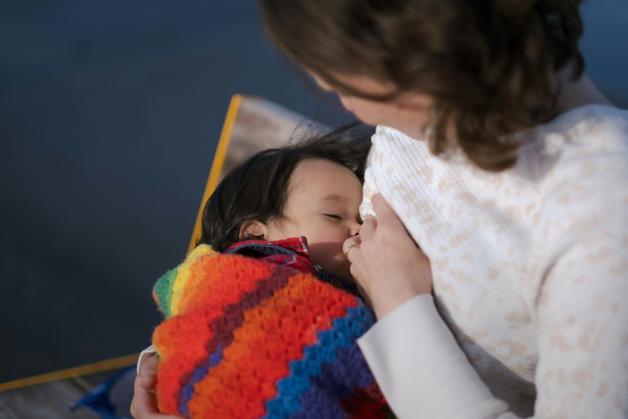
(262, 318)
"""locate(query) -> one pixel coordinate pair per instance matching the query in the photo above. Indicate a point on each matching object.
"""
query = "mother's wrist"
(387, 302)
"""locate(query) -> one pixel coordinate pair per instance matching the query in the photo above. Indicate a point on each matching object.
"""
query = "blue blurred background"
(109, 116)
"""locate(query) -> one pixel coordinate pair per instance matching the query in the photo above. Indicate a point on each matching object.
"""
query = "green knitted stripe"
(163, 291)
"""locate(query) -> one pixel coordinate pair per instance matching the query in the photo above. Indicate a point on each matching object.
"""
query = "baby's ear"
(253, 229)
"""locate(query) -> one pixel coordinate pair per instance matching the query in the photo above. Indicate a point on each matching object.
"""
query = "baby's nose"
(355, 229)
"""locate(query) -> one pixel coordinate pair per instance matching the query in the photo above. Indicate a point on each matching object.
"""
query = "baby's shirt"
(294, 253)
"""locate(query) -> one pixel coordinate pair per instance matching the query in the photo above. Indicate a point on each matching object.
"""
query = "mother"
(510, 170)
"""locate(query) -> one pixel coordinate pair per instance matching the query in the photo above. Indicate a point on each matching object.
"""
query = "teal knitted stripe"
(163, 291)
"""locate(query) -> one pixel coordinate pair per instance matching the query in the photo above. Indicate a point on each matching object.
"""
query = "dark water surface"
(109, 115)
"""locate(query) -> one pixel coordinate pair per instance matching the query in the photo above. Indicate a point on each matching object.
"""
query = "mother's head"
(473, 70)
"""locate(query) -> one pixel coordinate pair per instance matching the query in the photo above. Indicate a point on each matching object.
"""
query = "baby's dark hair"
(258, 188)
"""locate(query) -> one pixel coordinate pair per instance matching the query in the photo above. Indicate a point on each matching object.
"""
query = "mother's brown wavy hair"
(489, 65)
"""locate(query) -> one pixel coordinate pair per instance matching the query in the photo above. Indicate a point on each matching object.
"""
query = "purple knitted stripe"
(223, 327)
(338, 381)
(350, 369)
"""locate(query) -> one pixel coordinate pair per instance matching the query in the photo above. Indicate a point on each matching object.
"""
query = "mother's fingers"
(144, 404)
(385, 213)
(350, 245)
(147, 372)
(367, 229)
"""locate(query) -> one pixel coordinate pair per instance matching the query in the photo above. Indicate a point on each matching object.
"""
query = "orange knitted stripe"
(181, 343)
(281, 327)
(214, 283)
(221, 281)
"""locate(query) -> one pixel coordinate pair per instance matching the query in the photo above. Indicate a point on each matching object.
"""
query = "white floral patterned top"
(530, 271)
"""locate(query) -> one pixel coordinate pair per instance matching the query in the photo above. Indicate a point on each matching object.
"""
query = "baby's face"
(322, 205)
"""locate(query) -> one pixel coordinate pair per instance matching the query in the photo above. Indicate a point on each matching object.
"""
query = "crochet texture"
(245, 338)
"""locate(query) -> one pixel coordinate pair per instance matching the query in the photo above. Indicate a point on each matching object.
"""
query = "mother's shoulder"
(593, 124)
(589, 136)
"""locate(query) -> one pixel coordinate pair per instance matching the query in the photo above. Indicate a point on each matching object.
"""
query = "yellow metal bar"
(124, 361)
(217, 165)
(102, 366)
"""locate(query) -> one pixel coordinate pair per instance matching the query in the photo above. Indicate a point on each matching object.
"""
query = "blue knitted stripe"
(187, 392)
(343, 333)
(339, 382)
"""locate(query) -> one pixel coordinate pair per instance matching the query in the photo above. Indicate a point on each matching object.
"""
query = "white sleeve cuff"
(143, 355)
(420, 368)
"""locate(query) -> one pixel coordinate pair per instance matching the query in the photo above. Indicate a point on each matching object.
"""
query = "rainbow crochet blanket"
(245, 338)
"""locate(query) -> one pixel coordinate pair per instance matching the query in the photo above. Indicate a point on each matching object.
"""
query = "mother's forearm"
(421, 369)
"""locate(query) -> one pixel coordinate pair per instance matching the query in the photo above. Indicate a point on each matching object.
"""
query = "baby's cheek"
(339, 264)
(328, 255)
(343, 270)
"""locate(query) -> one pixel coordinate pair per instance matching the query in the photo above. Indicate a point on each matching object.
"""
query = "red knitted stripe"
(221, 280)
(223, 327)
(185, 337)
(182, 341)
(366, 403)
(273, 334)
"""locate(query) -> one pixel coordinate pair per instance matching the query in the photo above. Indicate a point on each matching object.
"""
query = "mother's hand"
(144, 405)
(388, 266)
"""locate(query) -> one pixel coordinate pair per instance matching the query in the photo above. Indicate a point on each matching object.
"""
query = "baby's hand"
(386, 262)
